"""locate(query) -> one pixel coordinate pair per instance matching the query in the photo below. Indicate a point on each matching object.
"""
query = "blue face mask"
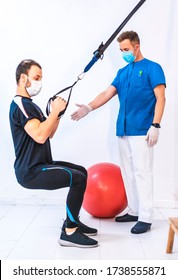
(128, 56)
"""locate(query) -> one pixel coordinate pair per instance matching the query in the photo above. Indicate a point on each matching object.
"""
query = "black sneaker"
(77, 239)
(87, 230)
(84, 229)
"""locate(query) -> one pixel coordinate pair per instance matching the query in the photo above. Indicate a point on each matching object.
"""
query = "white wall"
(62, 35)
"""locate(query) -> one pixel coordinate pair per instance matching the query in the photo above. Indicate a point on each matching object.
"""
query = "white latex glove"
(81, 112)
(152, 136)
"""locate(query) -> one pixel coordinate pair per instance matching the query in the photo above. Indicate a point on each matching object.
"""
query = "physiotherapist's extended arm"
(99, 101)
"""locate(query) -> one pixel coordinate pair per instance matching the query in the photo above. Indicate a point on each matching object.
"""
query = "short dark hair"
(24, 66)
(131, 35)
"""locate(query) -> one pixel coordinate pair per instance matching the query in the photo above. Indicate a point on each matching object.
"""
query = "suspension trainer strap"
(99, 53)
(54, 97)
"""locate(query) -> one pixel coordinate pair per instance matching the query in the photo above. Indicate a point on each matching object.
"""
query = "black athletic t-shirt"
(30, 155)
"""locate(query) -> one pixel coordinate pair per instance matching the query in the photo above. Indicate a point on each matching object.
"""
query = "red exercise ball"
(105, 195)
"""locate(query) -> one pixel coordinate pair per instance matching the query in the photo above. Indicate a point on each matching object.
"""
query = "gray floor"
(31, 231)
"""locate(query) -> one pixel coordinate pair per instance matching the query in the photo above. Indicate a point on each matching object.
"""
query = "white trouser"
(137, 167)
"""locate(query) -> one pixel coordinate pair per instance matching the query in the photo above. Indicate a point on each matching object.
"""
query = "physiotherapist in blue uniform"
(34, 165)
(140, 87)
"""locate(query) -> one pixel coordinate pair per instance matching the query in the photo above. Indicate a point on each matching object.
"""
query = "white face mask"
(35, 87)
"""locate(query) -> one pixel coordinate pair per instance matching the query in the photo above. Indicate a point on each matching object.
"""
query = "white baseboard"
(36, 200)
(166, 203)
